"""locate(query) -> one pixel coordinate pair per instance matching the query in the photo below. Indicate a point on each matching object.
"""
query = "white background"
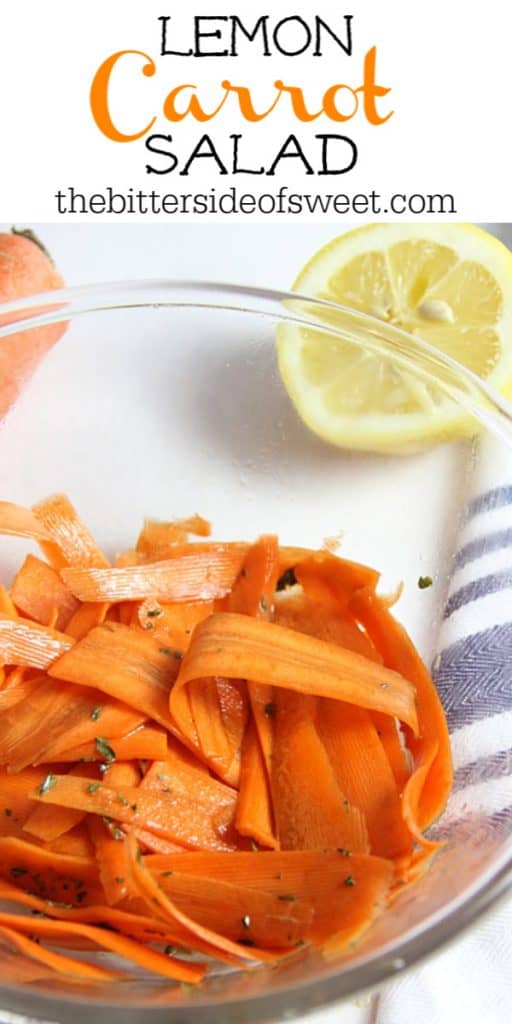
(447, 64)
(269, 255)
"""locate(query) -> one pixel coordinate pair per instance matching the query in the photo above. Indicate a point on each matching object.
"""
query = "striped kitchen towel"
(472, 982)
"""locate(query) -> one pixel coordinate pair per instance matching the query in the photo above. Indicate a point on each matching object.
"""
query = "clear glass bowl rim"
(459, 383)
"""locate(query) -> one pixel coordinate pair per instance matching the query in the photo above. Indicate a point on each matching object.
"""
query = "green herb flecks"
(105, 750)
(424, 582)
(18, 872)
(288, 579)
(95, 713)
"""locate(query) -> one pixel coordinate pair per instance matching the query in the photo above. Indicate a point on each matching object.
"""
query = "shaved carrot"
(7, 606)
(60, 521)
(198, 572)
(253, 594)
(239, 912)
(323, 618)
(85, 618)
(123, 662)
(91, 715)
(227, 748)
(15, 801)
(75, 843)
(172, 815)
(156, 537)
(17, 521)
(158, 963)
(38, 590)
(341, 888)
(237, 646)
(432, 748)
(77, 969)
(388, 730)
(311, 811)
(108, 850)
(59, 710)
(18, 688)
(62, 877)
(171, 624)
(364, 775)
(47, 823)
(167, 910)
(135, 925)
(20, 970)
(148, 841)
(179, 778)
(146, 741)
(254, 816)
(341, 577)
(24, 643)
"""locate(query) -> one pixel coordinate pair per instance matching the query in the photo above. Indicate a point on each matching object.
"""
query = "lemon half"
(449, 284)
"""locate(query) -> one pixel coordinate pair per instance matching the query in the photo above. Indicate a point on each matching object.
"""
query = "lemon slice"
(449, 284)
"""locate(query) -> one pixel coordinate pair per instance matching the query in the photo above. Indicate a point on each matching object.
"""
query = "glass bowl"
(162, 399)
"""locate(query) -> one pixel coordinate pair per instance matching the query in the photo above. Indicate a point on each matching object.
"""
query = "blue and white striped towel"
(472, 981)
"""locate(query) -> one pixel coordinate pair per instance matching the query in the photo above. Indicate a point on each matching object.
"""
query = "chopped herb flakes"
(104, 749)
(119, 879)
(343, 851)
(288, 579)
(93, 787)
(18, 872)
(349, 881)
(424, 582)
(287, 897)
(7, 812)
(153, 613)
(48, 783)
(166, 650)
(95, 714)
(270, 710)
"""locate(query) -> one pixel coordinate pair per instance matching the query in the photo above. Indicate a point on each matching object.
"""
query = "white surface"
(269, 255)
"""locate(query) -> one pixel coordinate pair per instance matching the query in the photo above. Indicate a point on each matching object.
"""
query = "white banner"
(123, 110)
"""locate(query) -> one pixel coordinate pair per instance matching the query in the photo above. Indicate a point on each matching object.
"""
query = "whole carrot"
(25, 269)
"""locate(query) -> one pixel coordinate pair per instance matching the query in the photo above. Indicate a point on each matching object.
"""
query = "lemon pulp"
(450, 285)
